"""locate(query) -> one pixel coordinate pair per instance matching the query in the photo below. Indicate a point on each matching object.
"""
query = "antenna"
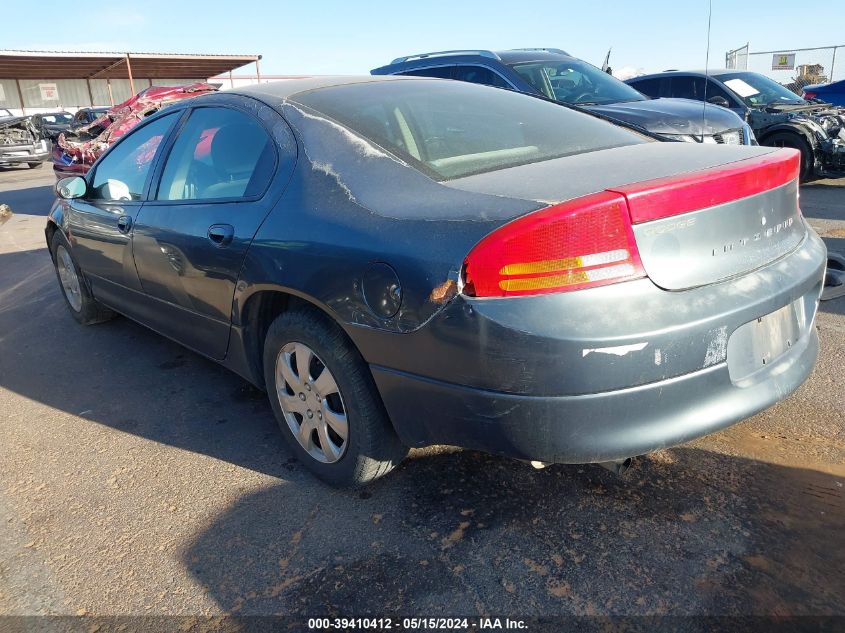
(605, 67)
(706, 71)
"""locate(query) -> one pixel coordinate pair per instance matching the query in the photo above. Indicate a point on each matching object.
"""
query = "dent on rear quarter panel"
(350, 205)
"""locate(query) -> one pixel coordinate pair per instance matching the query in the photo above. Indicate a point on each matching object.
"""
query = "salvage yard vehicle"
(51, 124)
(779, 117)
(553, 74)
(21, 143)
(404, 262)
(832, 92)
(84, 116)
(77, 149)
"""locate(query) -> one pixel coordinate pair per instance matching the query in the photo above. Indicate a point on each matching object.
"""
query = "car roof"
(511, 56)
(517, 55)
(288, 88)
(716, 72)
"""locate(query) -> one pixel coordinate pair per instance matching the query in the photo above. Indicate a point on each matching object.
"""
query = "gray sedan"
(404, 262)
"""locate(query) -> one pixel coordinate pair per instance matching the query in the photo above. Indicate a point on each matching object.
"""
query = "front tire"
(326, 402)
(795, 141)
(35, 165)
(81, 304)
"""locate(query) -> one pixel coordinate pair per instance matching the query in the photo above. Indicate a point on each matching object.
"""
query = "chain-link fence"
(794, 68)
(737, 58)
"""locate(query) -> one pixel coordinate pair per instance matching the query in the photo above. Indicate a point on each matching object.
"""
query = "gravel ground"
(140, 479)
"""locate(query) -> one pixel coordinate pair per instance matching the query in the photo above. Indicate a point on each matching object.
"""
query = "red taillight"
(810, 95)
(578, 244)
(663, 197)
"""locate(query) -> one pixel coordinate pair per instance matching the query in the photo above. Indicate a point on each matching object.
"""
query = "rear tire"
(359, 445)
(795, 141)
(81, 304)
(35, 165)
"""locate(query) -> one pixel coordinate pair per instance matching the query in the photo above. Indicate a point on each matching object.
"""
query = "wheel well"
(49, 231)
(796, 132)
(260, 310)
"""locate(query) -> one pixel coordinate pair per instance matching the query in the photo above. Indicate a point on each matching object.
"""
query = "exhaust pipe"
(618, 467)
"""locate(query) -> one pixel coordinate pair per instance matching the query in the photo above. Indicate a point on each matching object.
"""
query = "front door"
(189, 241)
(100, 224)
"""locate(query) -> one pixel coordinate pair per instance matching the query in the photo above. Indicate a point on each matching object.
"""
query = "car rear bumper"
(602, 374)
(588, 428)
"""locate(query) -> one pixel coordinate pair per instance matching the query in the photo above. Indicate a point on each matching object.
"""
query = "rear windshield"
(451, 129)
(59, 117)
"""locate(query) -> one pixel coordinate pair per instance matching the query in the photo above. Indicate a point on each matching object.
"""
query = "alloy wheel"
(69, 278)
(311, 402)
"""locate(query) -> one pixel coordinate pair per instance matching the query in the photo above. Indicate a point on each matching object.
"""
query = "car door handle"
(124, 224)
(221, 234)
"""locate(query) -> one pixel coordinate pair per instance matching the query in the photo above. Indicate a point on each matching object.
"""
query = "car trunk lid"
(700, 215)
(706, 226)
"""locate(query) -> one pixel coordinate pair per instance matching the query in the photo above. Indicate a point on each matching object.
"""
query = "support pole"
(129, 70)
(20, 96)
(90, 93)
(833, 63)
(231, 81)
(111, 96)
(257, 70)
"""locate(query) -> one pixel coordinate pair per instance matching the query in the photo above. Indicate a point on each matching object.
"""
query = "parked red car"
(75, 152)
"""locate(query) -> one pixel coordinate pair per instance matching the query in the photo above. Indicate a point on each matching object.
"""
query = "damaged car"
(51, 124)
(779, 117)
(401, 262)
(21, 143)
(77, 149)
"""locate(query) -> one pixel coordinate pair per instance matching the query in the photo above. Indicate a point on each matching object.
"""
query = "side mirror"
(719, 101)
(70, 188)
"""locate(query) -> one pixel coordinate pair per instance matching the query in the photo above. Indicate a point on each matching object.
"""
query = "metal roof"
(17, 64)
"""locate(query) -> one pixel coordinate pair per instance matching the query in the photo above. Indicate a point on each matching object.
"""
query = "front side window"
(121, 175)
(715, 90)
(220, 153)
(450, 129)
(576, 82)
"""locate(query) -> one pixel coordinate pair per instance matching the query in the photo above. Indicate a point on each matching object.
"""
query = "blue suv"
(554, 74)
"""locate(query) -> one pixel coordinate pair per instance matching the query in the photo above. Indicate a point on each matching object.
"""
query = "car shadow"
(125, 376)
(29, 200)
(686, 531)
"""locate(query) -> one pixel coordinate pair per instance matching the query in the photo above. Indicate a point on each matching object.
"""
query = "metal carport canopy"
(15, 64)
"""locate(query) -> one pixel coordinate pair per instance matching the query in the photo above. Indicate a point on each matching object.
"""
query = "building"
(41, 81)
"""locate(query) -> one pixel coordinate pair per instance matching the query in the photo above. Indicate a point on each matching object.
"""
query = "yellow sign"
(783, 61)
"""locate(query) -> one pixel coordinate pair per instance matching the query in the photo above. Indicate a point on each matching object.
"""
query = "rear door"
(223, 173)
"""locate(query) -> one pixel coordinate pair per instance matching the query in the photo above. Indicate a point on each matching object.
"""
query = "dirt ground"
(140, 479)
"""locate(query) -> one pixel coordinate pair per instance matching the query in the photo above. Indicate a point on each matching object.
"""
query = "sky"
(336, 37)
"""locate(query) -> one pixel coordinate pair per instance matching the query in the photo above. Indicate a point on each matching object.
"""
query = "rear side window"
(650, 87)
(480, 75)
(440, 72)
(219, 153)
(454, 129)
(686, 87)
